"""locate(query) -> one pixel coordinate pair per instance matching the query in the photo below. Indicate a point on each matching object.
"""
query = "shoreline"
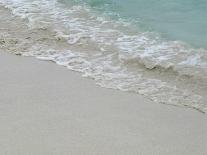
(47, 109)
(105, 68)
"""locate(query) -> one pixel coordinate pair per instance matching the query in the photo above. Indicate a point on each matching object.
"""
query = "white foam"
(110, 48)
(110, 75)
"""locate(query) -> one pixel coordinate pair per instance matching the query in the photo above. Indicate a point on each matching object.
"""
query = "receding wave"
(112, 52)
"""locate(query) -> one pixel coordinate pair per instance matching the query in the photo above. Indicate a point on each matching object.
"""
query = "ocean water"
(154, 48)
(173, 19)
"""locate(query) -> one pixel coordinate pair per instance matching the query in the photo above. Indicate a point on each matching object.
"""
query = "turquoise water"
(183, 20)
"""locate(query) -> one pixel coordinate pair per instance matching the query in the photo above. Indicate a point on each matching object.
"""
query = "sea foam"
(114, 54)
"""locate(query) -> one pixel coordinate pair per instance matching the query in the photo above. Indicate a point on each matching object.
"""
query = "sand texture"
(46, 109)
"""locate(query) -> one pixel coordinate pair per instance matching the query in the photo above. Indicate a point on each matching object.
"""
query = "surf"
(113, 51)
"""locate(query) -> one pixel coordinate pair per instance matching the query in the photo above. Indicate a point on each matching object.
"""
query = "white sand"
(46, 109)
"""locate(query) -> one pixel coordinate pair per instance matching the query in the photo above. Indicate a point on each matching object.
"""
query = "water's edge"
(94, 53)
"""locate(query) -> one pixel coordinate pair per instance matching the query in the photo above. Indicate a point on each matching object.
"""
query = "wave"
(113, 53)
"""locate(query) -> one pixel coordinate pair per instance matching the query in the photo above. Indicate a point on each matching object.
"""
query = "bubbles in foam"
(100, 48)
(110, 75)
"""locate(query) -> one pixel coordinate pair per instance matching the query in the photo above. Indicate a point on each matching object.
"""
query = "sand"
(46, 109)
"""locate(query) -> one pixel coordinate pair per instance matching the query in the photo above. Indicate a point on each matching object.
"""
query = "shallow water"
(118, 48)
(173, 19)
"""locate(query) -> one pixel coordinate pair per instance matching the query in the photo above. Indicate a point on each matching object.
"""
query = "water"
(154, 48)
(174, 19)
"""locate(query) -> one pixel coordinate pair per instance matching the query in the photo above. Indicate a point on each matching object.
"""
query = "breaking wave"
(113, 52)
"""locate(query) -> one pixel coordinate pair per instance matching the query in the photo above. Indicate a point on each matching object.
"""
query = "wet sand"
(108, 69)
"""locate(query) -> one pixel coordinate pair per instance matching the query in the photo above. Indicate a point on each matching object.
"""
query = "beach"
(70, 86)
(166, 72)
(46, 109)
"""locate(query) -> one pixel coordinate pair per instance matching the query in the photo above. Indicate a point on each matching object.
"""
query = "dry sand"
(46, 109)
